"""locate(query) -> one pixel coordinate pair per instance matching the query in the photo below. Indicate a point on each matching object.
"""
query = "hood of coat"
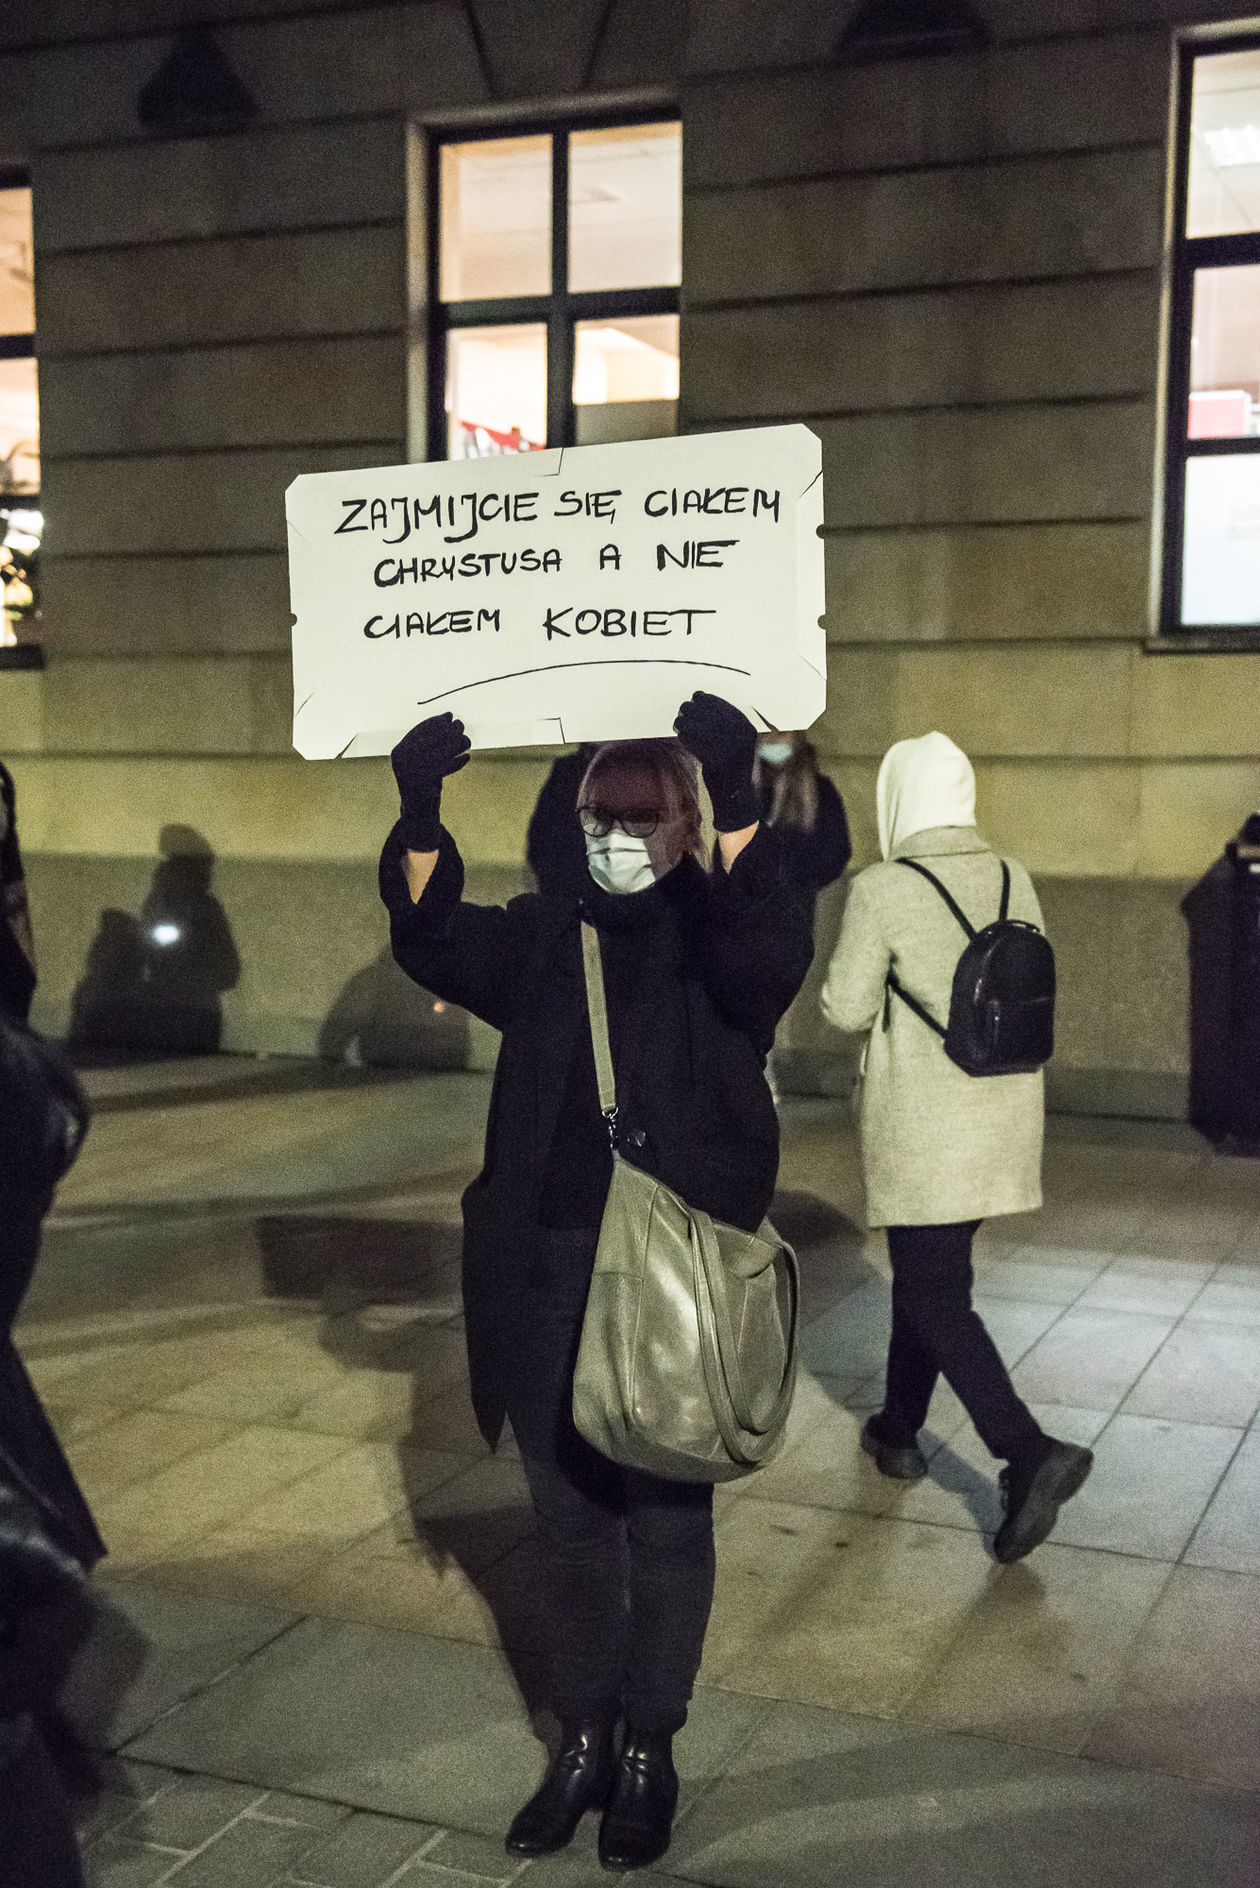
(923, 784)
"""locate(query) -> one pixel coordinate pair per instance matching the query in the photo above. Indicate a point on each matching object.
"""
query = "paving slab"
(851, 1800)
(836, 1609)
(1228, 1536)
(364, 1851)
(1041, 1654)
(1090, 1358)
(148, 1650)
(395, 1723)
(1150, 1485)
(1204, 1373)
(1188, 1700)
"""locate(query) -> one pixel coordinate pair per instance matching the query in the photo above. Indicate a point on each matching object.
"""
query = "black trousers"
(37, 1837)
(937, 1332)
(631, 1557)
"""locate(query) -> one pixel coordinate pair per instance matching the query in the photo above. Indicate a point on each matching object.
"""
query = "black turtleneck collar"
(632, 911)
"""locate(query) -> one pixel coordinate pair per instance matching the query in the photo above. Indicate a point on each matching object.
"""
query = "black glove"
(725, 743)
(421, 761)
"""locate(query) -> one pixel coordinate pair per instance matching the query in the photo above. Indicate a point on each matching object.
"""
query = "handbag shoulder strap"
(597, 1008)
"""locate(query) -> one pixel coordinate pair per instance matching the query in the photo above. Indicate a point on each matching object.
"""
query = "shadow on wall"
(381, 1019)
(153, 984)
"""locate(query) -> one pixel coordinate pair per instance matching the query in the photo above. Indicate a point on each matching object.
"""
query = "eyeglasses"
(638, 822)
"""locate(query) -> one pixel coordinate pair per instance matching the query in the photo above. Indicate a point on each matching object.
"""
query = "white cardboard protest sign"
(578, 594)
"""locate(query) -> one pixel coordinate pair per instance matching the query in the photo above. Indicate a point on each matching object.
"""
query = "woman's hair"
(668, 765)
(794, 799)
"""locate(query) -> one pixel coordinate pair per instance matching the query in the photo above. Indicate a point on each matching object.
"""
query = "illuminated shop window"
(556, 271)
(21, 521)
(1212, 502)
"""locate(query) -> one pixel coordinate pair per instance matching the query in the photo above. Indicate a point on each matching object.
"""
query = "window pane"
(1224, 193)
(496, 390)
(496, 219)
(17, 270)
(1221, 574)
(19, 427)
(625, 379)
(21, 529)
(625, 207)
(1225, 353)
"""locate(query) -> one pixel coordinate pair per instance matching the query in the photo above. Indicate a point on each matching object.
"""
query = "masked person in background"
(555, 849)
(17, 945)
(698, 967)
(805, 810)
(941, 1149)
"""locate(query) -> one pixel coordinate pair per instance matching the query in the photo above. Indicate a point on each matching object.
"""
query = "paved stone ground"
(320, 1625)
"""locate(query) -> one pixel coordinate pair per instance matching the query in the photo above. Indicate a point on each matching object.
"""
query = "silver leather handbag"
(687, 1362)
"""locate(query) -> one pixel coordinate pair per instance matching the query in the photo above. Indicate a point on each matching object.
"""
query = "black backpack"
(1001, 1008)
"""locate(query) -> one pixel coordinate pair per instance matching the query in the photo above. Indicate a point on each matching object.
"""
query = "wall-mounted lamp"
(195, 89)
(910, 29)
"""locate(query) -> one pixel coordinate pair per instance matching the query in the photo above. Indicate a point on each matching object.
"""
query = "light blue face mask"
(775, 753)
(621, 864)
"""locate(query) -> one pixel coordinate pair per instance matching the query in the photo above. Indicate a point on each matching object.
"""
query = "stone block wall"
(950, 268)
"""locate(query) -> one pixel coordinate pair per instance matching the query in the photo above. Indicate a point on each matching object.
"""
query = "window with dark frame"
(21, 520)
(1211, 576)
(555, 265)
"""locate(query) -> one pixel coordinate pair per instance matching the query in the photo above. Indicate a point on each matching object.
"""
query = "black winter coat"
(733, 949)
(42, 1122)
(813, 856)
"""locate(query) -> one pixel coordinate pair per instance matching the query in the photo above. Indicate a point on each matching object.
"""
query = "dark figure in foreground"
(47, 1536)
(941, 1149)
(17, 945)
(698, 968)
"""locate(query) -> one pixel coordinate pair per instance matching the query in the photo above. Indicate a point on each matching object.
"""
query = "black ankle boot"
(579, 1777)
(639, 1820)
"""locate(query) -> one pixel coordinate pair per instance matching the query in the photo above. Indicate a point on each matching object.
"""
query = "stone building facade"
(953, 266)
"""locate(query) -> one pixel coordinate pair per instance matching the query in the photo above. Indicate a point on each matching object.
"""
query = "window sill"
(1205, 642)
(21, 655)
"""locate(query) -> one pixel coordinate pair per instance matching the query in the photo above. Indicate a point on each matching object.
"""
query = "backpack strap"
(953, 904)
(1006, 892)
(911, 1002)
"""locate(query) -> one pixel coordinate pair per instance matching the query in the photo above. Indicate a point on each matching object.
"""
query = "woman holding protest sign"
(697, 968)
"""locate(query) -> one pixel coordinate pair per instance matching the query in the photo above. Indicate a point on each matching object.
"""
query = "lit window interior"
(496, 390)
(625, 232)
(625, 207)
(625, 379)
(1225, 353)
(496, 219)
(1224, 183)
(21, 523)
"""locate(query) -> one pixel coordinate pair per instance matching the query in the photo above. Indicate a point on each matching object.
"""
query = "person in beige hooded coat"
(941, 1150)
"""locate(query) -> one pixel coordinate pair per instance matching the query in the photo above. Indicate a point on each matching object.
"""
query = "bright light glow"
(165, 934)
(1221, 583)
(1233, 145)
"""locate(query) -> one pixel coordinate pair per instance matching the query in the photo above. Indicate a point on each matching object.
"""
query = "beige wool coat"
(938, 1145)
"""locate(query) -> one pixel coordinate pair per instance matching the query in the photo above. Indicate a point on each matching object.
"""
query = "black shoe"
(579, 1777)
(903, 1465)
(1033, 1494)
(639, 1820)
